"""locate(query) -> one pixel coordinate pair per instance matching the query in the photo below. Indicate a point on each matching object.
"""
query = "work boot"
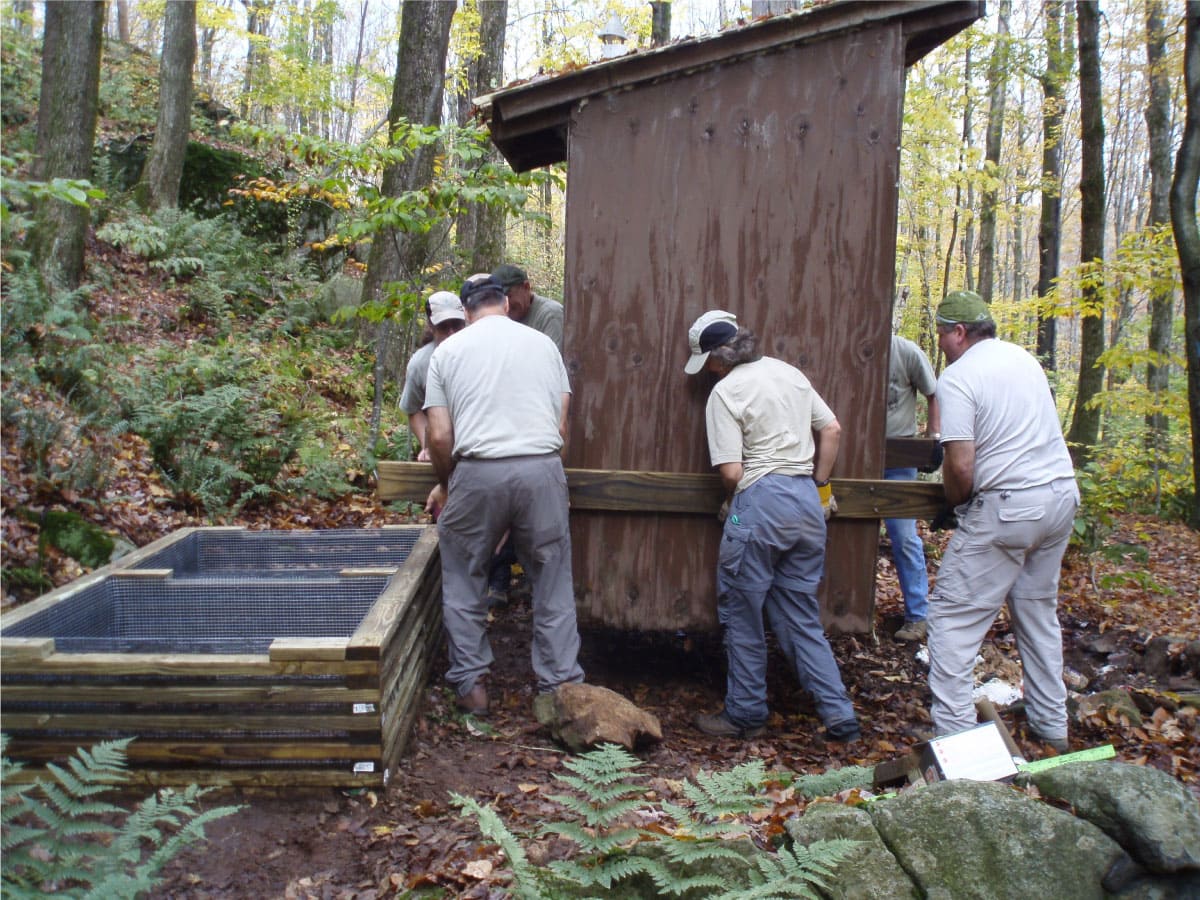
(1061, 744)
(912, 631)
(474, 701)
(719, 725)
(843, 732)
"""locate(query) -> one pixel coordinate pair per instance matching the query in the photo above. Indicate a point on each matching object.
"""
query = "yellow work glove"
(828, 501)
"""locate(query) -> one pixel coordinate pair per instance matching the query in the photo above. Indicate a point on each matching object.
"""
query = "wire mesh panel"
(202, 615)
(284, 554)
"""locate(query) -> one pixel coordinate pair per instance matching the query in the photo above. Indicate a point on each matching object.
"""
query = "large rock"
(583, 716)
(870, 872)
(1154, 817)
(1110, 706)
(963, 839)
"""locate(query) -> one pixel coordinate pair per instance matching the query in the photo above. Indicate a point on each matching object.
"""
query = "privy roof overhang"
(528, 122)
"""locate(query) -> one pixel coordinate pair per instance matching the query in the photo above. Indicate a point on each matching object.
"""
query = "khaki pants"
(1008, 549)
(526, 495)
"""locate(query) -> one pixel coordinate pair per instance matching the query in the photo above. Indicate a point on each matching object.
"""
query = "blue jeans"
(908, 556)
(771, 560)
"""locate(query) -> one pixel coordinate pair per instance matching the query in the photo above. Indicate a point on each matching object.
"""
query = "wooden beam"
(328, 648)
(908, 453)
(685, 492)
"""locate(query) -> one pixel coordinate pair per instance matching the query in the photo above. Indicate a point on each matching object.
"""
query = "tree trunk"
(324, 36)
(417, 98)
(348, 122)
(123, 21)
(258, 20)
(660, 23)
(1187, 233)
(479, 232)
(66, 130)
(1085, 424)
(958, 190)
(997, 94)
(164, 168)
(1058, 67)
(1162, 302)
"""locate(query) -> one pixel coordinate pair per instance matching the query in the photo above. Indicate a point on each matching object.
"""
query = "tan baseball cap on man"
(711, 330)
(444, 305)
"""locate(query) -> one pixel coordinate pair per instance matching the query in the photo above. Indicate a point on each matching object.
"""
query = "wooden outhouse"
(754, 171)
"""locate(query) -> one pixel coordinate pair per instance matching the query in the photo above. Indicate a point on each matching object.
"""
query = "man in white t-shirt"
(1010, 478)
(445, 315)
(774, 442)
(497, 400)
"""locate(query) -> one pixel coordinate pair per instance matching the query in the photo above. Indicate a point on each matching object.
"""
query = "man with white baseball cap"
(774, 442)
(445, 314)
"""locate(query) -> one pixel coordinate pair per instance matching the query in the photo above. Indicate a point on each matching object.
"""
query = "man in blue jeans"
(774, 442)
(909, 374)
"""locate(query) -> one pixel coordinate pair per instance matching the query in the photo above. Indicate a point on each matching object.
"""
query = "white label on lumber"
(360, 708)
(364, 767)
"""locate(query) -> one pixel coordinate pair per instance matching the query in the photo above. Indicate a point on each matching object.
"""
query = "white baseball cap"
(444, 305)
(711, 330)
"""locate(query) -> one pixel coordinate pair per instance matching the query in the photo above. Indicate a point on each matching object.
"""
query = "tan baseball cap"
(711, 330)
(444, 305)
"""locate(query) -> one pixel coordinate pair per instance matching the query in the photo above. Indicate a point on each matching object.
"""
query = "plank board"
(684, 492)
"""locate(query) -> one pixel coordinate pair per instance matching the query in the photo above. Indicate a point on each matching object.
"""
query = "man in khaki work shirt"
(774, 441)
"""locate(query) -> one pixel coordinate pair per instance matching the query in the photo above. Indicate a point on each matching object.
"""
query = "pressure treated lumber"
(313, 710)
(682, 492)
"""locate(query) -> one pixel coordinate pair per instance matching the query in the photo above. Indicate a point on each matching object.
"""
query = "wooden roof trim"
(549, 99)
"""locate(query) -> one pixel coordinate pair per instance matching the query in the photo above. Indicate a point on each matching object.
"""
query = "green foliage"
(129, 89)
(48, 339)
(694, 860)
(60, 837)
(222, 428)
(604, 797)
(346, 178)
(75, 536)
(834, 781)
(19, 195)
(20, 65)
(228, 275)
(139, 236)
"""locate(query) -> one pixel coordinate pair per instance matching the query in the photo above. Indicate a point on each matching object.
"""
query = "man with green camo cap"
(1009, 476)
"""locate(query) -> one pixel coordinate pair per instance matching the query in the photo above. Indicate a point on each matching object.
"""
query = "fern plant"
(695, 859)
(605, 796)
(58, 836)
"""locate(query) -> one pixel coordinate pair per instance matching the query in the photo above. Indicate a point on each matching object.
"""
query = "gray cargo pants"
(527, 495)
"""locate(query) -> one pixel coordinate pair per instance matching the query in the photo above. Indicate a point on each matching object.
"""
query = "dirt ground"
(367, 844)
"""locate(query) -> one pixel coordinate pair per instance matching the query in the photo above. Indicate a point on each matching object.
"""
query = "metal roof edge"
(543, 94)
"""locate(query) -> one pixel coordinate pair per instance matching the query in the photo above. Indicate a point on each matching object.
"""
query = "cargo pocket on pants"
(1021, 513)
(729, 558)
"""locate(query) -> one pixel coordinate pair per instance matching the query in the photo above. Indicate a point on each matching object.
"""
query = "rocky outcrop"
(1135, 833)
(1146, 811)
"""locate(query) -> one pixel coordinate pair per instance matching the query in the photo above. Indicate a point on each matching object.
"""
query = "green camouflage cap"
(964, 307)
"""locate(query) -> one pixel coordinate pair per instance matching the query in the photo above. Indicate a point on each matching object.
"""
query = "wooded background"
(1048, 161)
